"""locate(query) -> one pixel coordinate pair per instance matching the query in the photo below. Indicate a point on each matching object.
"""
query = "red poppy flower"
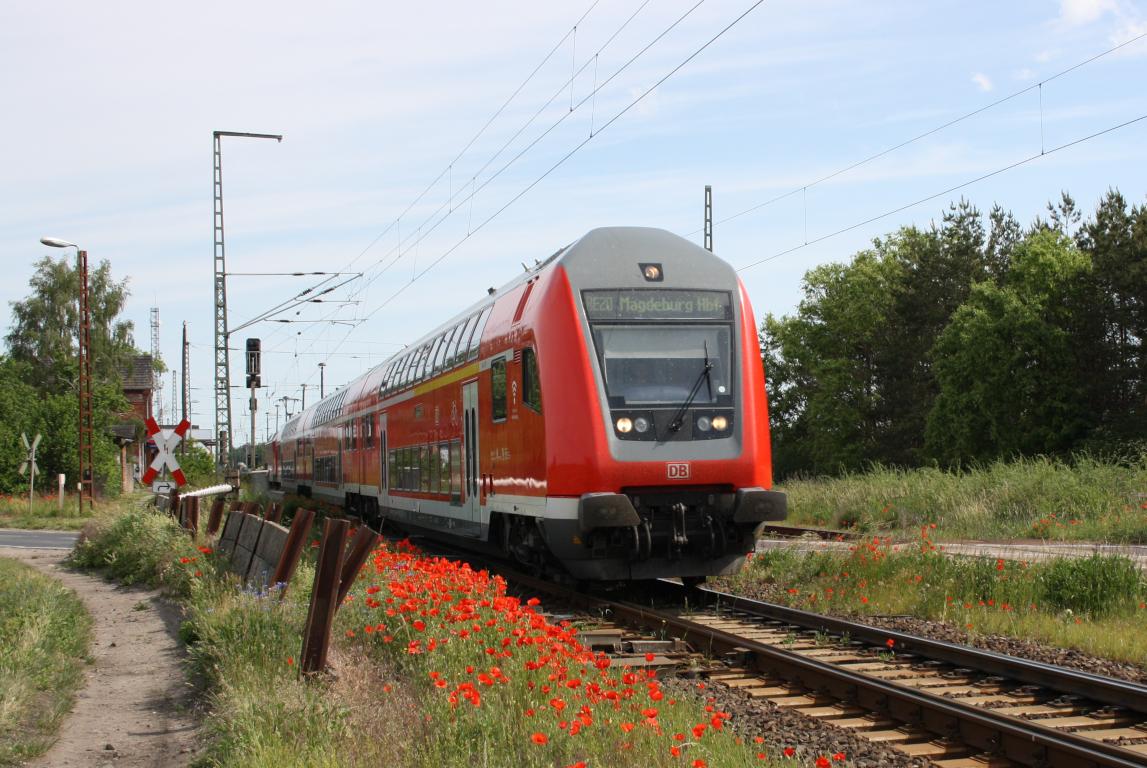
(822, 762)
(539, 738)
(789, 751)
(838, 757)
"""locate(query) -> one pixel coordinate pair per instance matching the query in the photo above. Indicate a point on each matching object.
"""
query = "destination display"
(657, 304)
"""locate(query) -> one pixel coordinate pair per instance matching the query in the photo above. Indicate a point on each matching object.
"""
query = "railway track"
(959, 707)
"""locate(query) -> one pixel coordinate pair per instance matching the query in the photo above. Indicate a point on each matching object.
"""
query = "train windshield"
(660, 364)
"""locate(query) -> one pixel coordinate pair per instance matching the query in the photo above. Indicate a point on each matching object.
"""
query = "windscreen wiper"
(679, 418)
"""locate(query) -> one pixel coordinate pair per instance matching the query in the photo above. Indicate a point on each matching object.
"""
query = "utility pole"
(186, 385)
(254, 352)
(708, 218)
(156, 378)
(84, 344)
(87, 427)
(222, 358)
(322, 386)
(174, 392)
(303, 406)
(276, 416)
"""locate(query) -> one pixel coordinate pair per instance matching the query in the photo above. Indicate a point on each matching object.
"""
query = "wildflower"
(890, 642)
(290, 661)
(822, 762)
(789, 751)
(649, 657)
(699, 763)
(539, 738)
(839, 756)
(675, 751)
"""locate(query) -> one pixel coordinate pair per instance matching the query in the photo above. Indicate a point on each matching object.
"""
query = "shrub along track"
(135, 709)
(953, 705)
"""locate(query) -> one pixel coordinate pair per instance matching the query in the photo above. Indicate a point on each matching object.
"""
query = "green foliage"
(142, 546)
(44, 637)
(39, 376)
(198, 465)
(1095, 585)
(1085, 499)
(961, 343)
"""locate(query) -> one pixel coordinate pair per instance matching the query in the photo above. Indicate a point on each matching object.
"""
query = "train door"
(471, 500)
(383, 474)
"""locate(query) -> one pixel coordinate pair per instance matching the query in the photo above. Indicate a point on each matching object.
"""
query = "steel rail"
(1022, 741)
(1105, 690)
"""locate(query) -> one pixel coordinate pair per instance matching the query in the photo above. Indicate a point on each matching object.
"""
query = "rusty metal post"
(324, 597)
(361, 545)
(252, 508)
(293, 548)
(216, 517)
(193, 515)
(274, 512)
(173, 508)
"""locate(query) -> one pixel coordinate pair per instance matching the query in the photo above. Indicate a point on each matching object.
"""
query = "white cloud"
(983, 81)
(1025, 74)
(1078, 12)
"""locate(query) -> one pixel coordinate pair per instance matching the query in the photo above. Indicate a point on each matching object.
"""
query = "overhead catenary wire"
(1041, 154)
(424, 231)
(1038, 86)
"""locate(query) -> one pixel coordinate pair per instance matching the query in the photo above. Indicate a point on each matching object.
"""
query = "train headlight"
(641, 424)
(624, 425)
(704, 424)
(720, 423)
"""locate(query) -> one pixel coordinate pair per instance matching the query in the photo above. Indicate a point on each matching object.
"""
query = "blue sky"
(110, 108)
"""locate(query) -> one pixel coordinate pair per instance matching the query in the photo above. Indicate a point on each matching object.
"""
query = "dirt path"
(136, 707)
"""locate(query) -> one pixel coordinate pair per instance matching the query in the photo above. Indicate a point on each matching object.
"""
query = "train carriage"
(604, 413)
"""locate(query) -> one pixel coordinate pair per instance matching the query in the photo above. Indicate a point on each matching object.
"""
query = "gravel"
(811, 738)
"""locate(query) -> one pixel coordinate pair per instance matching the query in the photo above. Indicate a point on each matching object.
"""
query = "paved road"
(11, 537)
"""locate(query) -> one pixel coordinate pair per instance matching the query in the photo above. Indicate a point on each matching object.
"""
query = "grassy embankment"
(1042, 498)
(437, 666)
(46, 513)
(1095, 604)
(44, 636)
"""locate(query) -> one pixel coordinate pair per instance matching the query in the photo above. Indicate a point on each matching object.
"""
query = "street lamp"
(322, 387)
(85, 388)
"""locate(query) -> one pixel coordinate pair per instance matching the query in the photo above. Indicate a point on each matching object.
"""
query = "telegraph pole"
(708, 218)
(322, 387)
(87, 427)
(222, 360)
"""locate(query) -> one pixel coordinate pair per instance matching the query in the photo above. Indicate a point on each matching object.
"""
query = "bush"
(141, 546)
(1095, 585)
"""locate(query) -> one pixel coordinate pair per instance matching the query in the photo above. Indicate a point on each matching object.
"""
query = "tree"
(45, 325)
(1009, 378)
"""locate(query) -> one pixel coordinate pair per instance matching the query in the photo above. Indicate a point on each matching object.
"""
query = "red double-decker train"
(604, 413)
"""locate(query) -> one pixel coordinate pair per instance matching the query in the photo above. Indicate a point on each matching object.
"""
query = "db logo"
(677, 470)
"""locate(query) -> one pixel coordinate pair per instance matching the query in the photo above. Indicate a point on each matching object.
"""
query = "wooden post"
(173, 504)
(274, 512)
(216, 517)
(360, 547)
(252, 508)
(293, 548)
(324, 598)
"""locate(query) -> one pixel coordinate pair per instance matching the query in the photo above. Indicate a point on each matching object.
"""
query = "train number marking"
(677, 470)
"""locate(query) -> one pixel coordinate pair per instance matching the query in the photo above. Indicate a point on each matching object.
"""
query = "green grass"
(44, 636)
(44, 513)
(1086, 499)
(1095, 604)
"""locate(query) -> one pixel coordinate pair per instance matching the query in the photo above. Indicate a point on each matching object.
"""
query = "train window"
(404, 468)
(404, 376)
(456, 472)
(392, 469)
(464, 340)
(432, 470)
(498, 390)
(444, 468)
(368, 432)
(440, 352)
(531, 383)
(455, 342)
(476, 339)
(424, 468)
(420, 363)
(433, 355)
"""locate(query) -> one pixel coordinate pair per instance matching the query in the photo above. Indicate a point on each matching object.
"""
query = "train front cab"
(672, 477)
